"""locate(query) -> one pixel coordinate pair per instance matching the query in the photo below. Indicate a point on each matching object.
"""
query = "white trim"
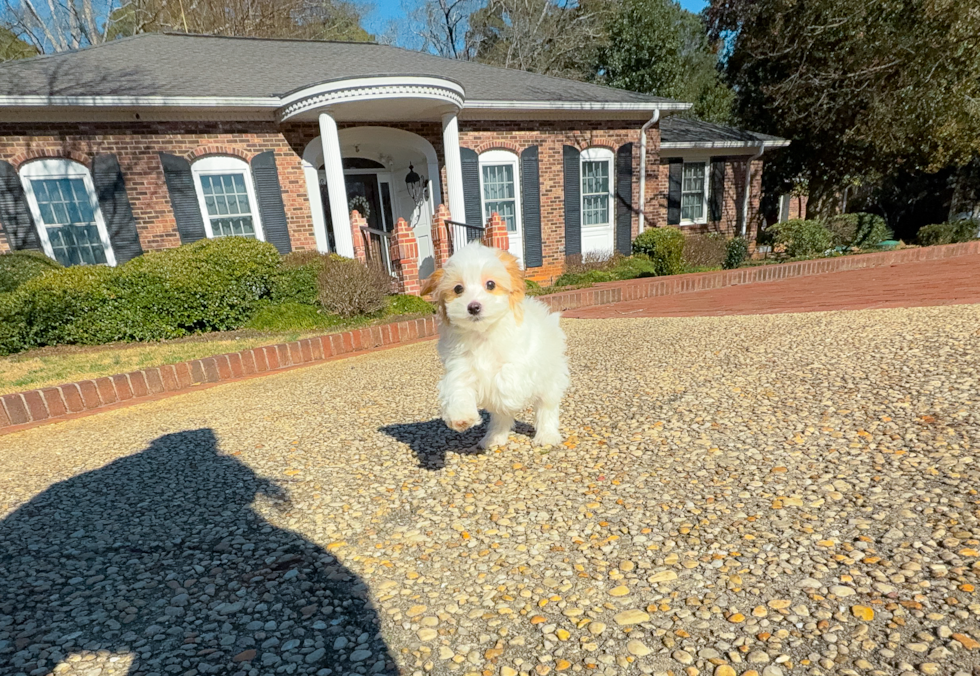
(576, 105)
(705, 200)
(143, 101)
(598, 155)
(497, 158)
(223, 165)
(371, 89)
(54, 168)
(708, 145)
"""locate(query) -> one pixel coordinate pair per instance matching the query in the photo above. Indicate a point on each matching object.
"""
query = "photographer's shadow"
(159, 557)
(432, 440)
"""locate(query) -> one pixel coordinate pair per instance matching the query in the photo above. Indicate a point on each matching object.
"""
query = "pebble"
(782, 493)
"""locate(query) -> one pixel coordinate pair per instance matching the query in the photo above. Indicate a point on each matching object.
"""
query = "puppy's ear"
(516, 283)
(431, 286)
(432, 283)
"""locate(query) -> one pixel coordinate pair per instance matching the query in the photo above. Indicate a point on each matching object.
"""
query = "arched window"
(597, 184)
(65, 207)
(227, 197)
(499, 187)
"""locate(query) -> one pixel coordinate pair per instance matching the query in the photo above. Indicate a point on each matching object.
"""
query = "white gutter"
(643, 166)
(693, 145)
(748, 187)
(141, 101)
(575, 105)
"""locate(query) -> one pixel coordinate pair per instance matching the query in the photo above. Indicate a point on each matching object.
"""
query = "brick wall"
(137, 144)
(551, 137)
(731, 208)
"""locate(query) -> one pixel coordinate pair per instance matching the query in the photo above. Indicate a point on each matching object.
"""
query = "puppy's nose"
(474, 308)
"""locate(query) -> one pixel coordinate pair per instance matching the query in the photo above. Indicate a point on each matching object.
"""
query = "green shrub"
(664, 247)
(596, 268)
(210, 285)
(862, 230)
(735, 253)
(54, 308)
(948, 233)
(409, 305)
(349, 287)
(704, 250)
(16, 267)
(801, 238)
(290, 317)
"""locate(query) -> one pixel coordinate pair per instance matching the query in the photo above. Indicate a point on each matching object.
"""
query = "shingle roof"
(682, 132)
(179, 65)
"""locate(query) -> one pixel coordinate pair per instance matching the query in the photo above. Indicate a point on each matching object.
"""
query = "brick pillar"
(356, 223)
(495, 233)
(440, 235)
(405, 259)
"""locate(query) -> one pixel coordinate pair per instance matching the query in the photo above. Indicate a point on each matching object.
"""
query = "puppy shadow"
(432, 440)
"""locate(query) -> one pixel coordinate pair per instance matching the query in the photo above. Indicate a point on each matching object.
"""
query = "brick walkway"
(953, 281)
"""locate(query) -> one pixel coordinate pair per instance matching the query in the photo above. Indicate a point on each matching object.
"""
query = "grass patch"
(281, 323)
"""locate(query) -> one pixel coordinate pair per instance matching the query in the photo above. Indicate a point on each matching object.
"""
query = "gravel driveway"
(783, 494)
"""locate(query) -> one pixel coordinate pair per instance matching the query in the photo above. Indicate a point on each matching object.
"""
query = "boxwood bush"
(736, 252)
(861, 230)
(801, 238)
(211, 285)
(16, 267)
(664, 247)
(948, 233)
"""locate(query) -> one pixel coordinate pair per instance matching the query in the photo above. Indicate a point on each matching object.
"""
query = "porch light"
(416, 185)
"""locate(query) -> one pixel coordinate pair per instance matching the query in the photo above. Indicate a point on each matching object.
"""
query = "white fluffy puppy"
(502, 352)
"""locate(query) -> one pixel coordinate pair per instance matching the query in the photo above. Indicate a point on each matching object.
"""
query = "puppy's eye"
(458, 289)
(491, 285)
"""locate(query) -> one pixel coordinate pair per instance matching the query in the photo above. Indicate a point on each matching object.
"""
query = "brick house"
(154, 141)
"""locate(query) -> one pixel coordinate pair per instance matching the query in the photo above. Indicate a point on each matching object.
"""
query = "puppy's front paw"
(547, 438)
(491, 440)
(461, 423)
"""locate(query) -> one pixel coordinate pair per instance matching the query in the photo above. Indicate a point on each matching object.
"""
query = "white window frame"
(597, 155)
(705, 200)
(496, 158)
(226, 164)
(54, 168)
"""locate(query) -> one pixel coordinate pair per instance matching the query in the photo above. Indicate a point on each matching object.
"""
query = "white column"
(454, 168)
(333, 166)
(316, 207)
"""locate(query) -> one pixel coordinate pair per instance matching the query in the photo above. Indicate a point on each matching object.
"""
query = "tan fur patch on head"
(433, 285)
(516, 283)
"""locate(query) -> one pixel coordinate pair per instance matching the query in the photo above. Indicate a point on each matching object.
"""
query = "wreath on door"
(360, 203)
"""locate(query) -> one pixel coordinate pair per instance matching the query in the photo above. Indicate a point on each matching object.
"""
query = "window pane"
(69, 219)
(693, 191)
(499, 193)
(226, 201)
(595, 210)
(595, 177)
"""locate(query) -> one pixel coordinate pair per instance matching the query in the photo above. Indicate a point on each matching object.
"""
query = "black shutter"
(470, 162)
(717, 188)
(183, 198)
(573, 199)
(110, 186)
(531, 207)
(674, 179)
(268, 192)
(624, 199)
(15, 216)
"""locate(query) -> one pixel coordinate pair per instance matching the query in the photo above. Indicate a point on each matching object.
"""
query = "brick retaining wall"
(51, 403)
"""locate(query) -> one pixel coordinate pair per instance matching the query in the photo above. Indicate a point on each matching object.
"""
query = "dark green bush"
(54, 308)
(595, 269)
(296, 279)
(211, 285)
(801, 238)
(704, 250)
(948, 233)
(735, 253)
(664, 247)
(16, 267)
(349, 287)
(862, 230)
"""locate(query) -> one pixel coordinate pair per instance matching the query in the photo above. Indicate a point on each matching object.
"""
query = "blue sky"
(386, 10)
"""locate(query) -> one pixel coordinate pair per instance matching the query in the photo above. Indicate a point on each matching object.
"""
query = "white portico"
(368, 164)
